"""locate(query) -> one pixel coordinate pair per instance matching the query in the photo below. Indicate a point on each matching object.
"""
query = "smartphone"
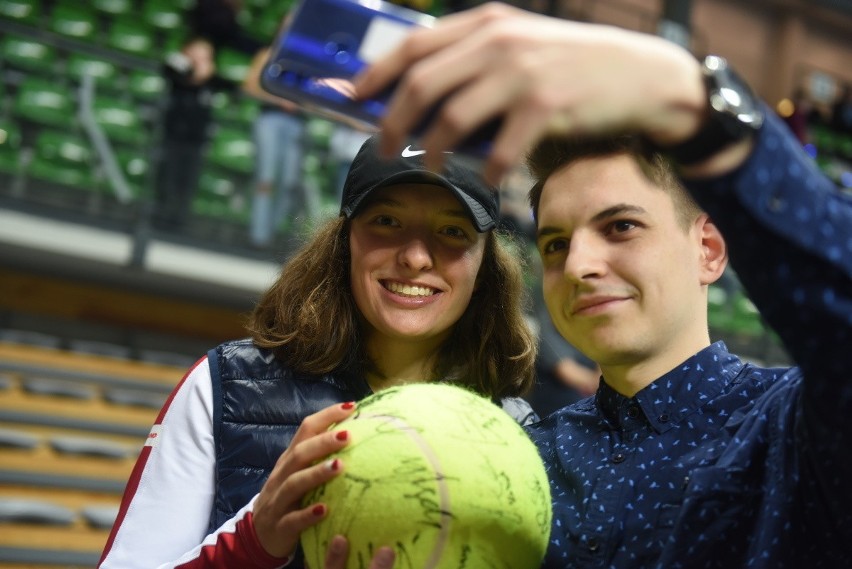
(326, 43)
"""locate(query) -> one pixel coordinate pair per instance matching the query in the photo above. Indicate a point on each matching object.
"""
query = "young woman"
(410, 284)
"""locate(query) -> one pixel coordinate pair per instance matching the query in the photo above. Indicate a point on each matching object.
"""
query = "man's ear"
(714, 250)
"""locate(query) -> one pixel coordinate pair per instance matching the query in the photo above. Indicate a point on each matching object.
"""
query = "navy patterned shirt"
(719, 463)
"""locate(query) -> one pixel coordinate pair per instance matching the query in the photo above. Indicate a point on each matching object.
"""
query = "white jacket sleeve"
(166, 506)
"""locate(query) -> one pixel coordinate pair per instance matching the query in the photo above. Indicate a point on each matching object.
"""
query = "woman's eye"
(385, 220)
(454, 231)
(555, 245)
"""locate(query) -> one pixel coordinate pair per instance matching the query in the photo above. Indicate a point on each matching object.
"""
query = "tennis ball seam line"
(440, 479)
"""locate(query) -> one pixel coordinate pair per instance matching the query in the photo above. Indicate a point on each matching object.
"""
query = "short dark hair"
(553, 153)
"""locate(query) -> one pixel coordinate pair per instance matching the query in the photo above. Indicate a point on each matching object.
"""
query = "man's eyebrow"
(619, 209)
(613, 211)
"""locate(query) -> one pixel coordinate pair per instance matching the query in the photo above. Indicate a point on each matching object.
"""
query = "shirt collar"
(676, 394)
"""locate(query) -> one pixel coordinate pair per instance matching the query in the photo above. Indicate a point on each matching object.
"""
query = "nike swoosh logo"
(407, 152)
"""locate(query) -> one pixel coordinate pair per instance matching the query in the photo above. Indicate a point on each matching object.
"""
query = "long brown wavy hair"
(309, 319)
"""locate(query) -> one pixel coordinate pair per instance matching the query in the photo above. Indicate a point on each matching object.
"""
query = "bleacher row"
(71, 427)
(49, 46)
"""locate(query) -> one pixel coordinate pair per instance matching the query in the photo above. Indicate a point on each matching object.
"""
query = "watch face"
(730, 95)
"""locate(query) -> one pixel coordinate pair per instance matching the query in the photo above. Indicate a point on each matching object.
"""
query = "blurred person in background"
(280, 194)
(192, 80)
(218, 21)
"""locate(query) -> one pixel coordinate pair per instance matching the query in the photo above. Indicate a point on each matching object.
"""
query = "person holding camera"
(652, 168)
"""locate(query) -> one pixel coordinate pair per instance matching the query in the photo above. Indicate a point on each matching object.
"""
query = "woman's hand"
(278, 516)
(540, 75)
(338, 550)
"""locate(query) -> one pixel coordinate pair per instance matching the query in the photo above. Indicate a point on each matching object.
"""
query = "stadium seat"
(147, 86)
(45, 103)
(27, 54)
(58, 388)
(237, 112)
(34, 511)
(62, 159)
(162, 15)
(75, 21)
(232, 150)
(104, 72)
(136, 168)
(131, 36)
(10, 147)
(10, 438)
(22, 11)
(232, 65)
(120, 120)
(113, 7)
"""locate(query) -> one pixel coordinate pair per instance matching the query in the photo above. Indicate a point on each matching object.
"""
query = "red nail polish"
(348, 405)
(318, 510)
(342, 435)
(335, 465)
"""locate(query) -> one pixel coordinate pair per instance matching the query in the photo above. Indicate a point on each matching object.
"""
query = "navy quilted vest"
(258, 404)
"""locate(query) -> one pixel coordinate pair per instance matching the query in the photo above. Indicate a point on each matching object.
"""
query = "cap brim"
(480, 217)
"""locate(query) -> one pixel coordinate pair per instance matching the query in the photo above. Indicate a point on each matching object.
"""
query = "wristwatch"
(734, 113)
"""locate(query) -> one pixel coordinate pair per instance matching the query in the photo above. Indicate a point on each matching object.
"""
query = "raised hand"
(279, 518)
(541, 75)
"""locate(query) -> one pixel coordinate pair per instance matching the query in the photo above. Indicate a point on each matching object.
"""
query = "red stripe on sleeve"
(136, 475)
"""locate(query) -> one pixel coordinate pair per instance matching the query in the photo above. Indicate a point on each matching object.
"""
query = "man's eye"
(622, 226)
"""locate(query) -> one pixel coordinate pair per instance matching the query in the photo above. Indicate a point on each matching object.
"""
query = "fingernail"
(333, 464)
(384, 557)
(318, 510)
(348, 405)
(338, 544)
(342, 435)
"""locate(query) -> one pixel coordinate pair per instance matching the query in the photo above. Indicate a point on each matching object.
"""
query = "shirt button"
(593, 544)
(632, 412)
(618, 457)
(664, 418)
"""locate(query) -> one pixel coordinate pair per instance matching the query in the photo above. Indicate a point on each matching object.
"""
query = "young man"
(686, 456)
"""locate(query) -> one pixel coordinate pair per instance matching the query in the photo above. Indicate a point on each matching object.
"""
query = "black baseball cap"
(370, 171)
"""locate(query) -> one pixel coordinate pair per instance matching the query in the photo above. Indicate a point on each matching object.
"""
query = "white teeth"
(408, 290)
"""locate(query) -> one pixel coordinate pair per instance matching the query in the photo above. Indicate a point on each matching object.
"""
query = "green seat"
(76, 21)
(119, 120)
(27, 54)
(746, 319)
(64, 159)
(233, 150)
(43, 102)
(104, 72)
(21, 11)
(241, 111)
(10, 147)
(146, 85)
(131, 36)
(263, 28)
(319, 133)
(216, 198)
(162, 14)
(113, 7)
(136, 168)
(232, 65)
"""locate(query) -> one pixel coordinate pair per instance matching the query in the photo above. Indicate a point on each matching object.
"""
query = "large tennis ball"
(442, 475)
